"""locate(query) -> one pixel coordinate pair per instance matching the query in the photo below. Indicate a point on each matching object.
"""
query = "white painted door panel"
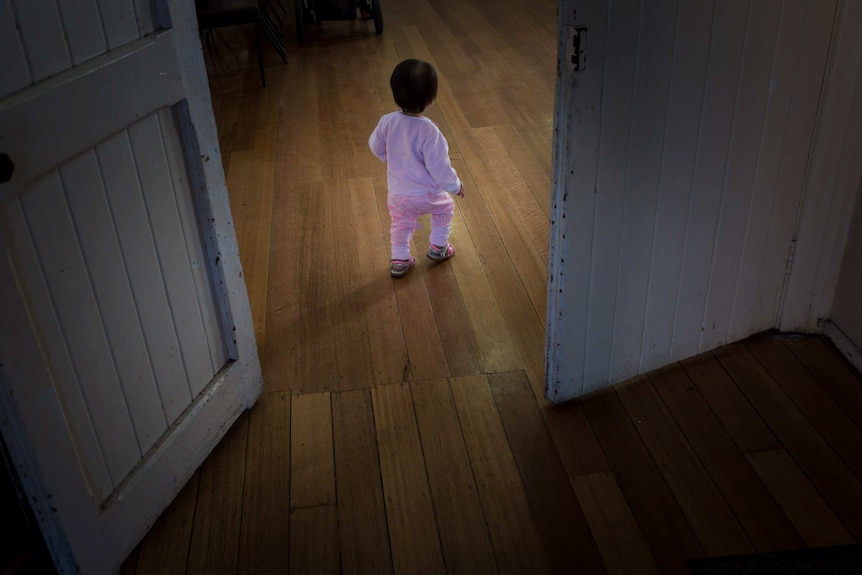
(41, 38)
(127, 348)
(678, 178)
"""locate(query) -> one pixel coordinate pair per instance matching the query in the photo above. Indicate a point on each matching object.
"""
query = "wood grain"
(824, 413)
(810, 514)
(312, 466)
(460, 518)
(218, 512)
(553, 504)
(363, 531)
(620, 541)
(165, 550)
(750, 500)
(516, 541)
(413, 531)
(314, 540)
(729, 404)
(266, 497)
(707, 511)
(841, 489)
(642, 483)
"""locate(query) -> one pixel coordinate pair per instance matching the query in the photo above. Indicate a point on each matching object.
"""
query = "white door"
(127, 348)
(683, 141)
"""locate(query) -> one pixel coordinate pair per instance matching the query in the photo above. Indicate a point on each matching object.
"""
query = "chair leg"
(259, 53)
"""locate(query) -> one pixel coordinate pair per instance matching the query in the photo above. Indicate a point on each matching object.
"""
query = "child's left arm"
(438, 164)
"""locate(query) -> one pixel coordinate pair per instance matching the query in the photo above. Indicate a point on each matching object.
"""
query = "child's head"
(414, 85)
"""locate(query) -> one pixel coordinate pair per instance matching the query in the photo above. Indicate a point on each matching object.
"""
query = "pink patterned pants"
(406, 211)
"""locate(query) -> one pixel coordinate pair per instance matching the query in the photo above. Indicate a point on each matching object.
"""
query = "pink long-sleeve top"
(416, 154)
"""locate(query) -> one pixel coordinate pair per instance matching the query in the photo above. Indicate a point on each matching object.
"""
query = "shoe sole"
(431, 256)
(398, 274)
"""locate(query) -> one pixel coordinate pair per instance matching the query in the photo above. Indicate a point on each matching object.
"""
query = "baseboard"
(844, 344)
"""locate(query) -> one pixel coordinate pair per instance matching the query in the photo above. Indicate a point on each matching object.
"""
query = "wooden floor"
(402, 428)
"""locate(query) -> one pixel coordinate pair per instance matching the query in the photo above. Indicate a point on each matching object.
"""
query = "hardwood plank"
(574, 439)
(424, 345)
(312, 467)
(294, 342)
(252, 194)
(460, 519)
(708, 513)
(671, 540)
(815, 457)
(363, 533)
(513, 532)
(526, 244)
(314, 540)
(352, 351)
(553, 504)
(730, 405)
(524, 324)
(615, 529)
(413, 534)
(496, 346)
(831, 370)
(532, 165)
(842, 433)
(165, 549)
(266, 497)
(386, 338)
(250, 187)
(215, 535)
(453, 320)
(799, 499)
(298, 355)
(754, 507)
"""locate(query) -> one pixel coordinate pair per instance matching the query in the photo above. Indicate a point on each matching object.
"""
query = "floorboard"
(403, 427)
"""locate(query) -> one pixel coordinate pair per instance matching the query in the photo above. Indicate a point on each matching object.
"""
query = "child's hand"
(460, 192)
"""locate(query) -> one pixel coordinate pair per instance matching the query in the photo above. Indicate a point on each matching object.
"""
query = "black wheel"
(299, 10)
(378, 16)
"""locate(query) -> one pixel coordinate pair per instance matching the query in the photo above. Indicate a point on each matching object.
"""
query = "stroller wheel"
(377, 12)
(299, 10)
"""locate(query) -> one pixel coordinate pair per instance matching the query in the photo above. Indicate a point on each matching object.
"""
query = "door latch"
(577, 52)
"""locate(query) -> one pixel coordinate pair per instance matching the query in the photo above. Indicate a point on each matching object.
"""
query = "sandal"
(398, 268)
(440, 253)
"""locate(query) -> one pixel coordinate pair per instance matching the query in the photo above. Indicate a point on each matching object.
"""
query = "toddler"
(420, 176)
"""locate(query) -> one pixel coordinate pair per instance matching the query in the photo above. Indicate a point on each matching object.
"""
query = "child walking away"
(420, 176)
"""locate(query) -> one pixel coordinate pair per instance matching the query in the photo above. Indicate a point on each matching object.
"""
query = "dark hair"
(414, 85)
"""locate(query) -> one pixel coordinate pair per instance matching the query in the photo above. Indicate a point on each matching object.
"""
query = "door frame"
(833, 183)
